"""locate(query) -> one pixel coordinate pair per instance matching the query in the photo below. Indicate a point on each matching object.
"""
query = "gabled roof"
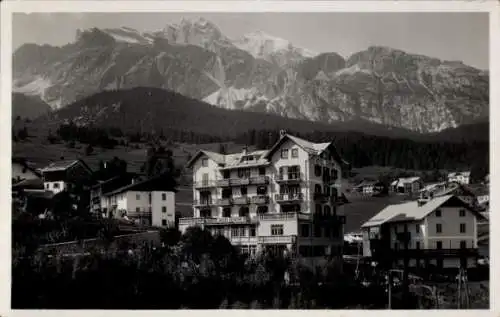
(64, 165)
(366, 183)
(405, 180)
(36, 183)
(412, 211)
(25, 164)
(216, 157)
(158, 183)
(309, 147)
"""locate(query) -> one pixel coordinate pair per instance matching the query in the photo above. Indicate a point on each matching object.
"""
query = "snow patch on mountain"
(235, 98)
(262, 45)
(35, 87)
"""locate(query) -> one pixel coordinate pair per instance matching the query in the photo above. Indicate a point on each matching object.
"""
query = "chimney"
(245, 150)
(282, 133)
(422, 201)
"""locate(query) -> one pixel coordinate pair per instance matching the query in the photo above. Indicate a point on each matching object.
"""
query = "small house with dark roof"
(60, 175)
(150, 202)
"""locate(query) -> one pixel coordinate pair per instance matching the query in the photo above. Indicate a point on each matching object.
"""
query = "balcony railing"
(203, 203)
(259, 180)
(239, 181)
(223, 182)
(288, 178)
(277, 239)
(137, 214)
(282, 198)
(225, 201)
(243, 200)
(260, 200)
(216, 221)
(205, 184)
(285, 216)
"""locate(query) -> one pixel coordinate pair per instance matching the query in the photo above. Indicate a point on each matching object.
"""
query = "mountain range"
(258, 73)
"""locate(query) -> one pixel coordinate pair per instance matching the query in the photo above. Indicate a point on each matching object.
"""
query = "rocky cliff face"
(258, 73)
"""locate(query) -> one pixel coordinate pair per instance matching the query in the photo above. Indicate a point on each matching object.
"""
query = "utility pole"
(389, 289)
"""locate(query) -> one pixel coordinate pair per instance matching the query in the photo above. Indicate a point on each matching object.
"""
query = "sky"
(460, 36)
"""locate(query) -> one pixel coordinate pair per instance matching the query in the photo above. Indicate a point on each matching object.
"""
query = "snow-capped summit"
(262, 45)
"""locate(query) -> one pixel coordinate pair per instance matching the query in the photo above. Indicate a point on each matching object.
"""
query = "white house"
(286, 198)
(439, 231)
(58, 176)
(150, 202)
(406, 185)
(459, 177)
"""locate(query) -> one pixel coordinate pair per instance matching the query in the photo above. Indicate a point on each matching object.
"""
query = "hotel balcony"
(205, 184)
(260, 200)
(225, 202)
(217, 221)
(243, 200)
(288, 198)
(290, 178)
(284, 216)
(277, 239)
(259, 180)
(138, 214)
(203, 203)
(228, 182)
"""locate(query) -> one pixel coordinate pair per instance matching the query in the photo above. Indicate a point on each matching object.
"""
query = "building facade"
(150, 203)
(439, 232)
(459, 177)
(285, 199)
(406, 185)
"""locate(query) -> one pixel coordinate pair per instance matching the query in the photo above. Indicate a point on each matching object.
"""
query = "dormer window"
(204, 162)
(295, 153)
(284, 154)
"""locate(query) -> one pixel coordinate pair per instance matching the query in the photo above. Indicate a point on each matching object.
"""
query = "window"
(164, 222)
(327, 232)
(226, 174)
(204, 162)
(164, 209)
(244, 173)
(317, 231)
(235, 232)
(252, 232)
(304, 228)
(244, 211)
(462, 228)
(226, 212)
(56, 185)
(396, 229)
(417, 228)
(261, 190)
(276, 230)
(326, 211)
(137, 197)
(317, 170)
(163, 196)
(462, 213)
(262, 171)
(295, 153)
(438, 212)
(318, 209)
(439, 228)
(317, 189)
(47, 185)
(243, 232)
(137, 209)
(243, 191)
(405, 227)
(417, 245)
(439, 245)
(463, 244)
(284, 153)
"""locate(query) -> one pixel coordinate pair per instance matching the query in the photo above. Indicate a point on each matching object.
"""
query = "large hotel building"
(284, 199)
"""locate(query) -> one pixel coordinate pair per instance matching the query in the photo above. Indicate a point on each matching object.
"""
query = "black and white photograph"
(302, 160)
